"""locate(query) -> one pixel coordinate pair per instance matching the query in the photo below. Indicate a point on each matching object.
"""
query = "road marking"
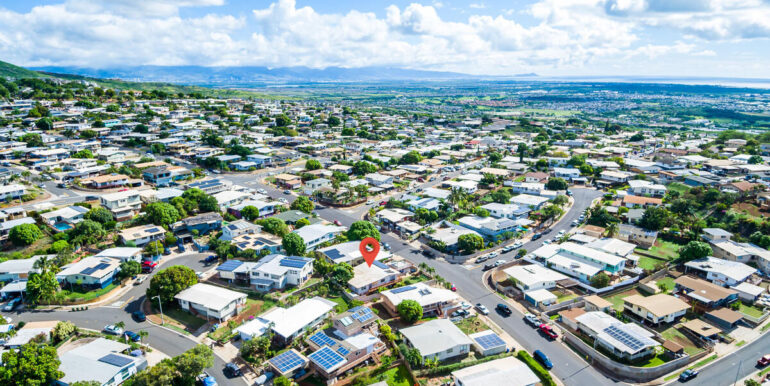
(128, 301)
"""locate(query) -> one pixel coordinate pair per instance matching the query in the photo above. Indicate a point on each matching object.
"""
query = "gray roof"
(435, 336)
(99, 360)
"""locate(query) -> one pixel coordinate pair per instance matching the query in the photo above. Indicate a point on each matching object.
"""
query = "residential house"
(656, 309)
(316, 234)
(627, 341)
(434, 301)
(201, 224)
(437, 339)
(98, 360)
(646, 188)
(579, 261)
(702, 295)
(568, 174)
(489, 227)
(106, 181)
(631, 201)
(636, 235)
(211, 301)
(529, 201)
(278, 271)
(12, 192)
(720, 271)
(509, 211)
(123, 205)
(504, 371)
(65, 218)
(289, 323)
(18, 269)
(142, 234)
(237, 228)
(533, 276)
(348, 252)
(89, 272)
(368, 278)
(122, 254)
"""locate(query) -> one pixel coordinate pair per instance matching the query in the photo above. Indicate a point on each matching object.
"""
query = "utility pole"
(162, 322)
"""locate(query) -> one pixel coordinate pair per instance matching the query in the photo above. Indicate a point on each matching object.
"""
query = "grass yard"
(397, 376)
(617, 299)
(471, 325)
(674, 335)
(564, 296)
(183, 318)
(86, 296)
(678, 187)
(664, 250)
(750, 310)
(341, 306)
(647, 263)
(657, 360)
(668, 282)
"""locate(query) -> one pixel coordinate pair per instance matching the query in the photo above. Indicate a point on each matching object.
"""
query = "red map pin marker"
(369, 255)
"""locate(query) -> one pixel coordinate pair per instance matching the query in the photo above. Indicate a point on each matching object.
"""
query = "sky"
(701, 38)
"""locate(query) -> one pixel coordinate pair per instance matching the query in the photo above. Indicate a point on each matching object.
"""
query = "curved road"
(167, 341)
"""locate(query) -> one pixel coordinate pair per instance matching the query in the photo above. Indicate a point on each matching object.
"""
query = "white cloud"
(559, 35)
(477, 5)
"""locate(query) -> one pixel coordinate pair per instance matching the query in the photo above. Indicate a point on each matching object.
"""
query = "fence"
(627, 372)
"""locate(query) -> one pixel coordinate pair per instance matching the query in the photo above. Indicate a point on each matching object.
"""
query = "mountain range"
(233, 76)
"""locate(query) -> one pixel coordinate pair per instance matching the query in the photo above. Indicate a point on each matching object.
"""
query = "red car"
(548, 331)
(764, 361)
(383, 203)
(454, 289)
(337, 223)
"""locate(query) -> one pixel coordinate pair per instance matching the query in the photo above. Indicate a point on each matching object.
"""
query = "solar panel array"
(286, 361)
(116, 360)
(91, 270)
(624, 337)
(153, 230)
(403, 289)
(321, 339)
(362, 314)
(343, 350)
(381, 265)
(346, 321)
(489, 341)
(292, 263)
(326, 358)
(229, 265)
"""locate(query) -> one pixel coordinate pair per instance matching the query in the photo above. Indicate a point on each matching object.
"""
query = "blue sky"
(710, 38)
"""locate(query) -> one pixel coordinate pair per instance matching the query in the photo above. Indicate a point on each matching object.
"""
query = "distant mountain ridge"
(9, 70)
(252, 74)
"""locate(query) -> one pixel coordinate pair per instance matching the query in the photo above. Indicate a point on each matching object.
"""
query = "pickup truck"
(548, 331)
(532, 320)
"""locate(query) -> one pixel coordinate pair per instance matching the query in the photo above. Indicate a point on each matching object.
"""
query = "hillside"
(8, 70)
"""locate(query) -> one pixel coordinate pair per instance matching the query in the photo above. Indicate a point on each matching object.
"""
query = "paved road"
(737, 365)
(169, 342)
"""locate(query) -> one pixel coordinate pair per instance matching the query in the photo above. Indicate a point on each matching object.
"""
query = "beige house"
(656, 309)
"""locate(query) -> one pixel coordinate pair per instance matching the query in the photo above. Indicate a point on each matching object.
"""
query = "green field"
(664, 250)
(669, 282)
(397, 376)
(750, 310)
(617, 299)
(674, 335)
(647, 262)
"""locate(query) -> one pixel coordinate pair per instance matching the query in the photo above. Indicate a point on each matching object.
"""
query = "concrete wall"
(626, 372)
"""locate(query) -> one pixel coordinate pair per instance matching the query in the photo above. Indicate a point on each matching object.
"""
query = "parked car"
(561, 233)
(427, 253)
(482, 309)
(688, 375)
(465, 305)
(504, 309)
(536, 236)
(180, 246)
(532, 320)
(205, 379)
(487, 267)
(492, 255)
(499, 263)
(482, 259)
(460, 314)
(113, 330)
(546, 242)
(337, 223)
(139, 280)
(232, 370)
(287, 191)
(386, 246)
(210, 259)
(139, 316)
(543, 359)
(764, 361)
(548, 331)
(508, 248)
(134, 337)
(452, 287)
(11, 305)
(264, 378)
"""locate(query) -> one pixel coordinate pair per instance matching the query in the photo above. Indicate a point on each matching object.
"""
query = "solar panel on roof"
(292, 263)
(403, 289)
(343, 351)
(321, 339)
(229, 265)
(115, 360)
(624, 337)
(346, 321)
(380, 265)
(489, 341)
(286, 361)
(362, 315)
(153, 230)
(326, 358)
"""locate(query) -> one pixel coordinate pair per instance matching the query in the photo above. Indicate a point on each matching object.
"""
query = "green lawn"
(657, 360)
(668, 281)
(342, 305)
(750, 310)
(617, 299)
(85, 296)
(471, 325)
(564, 296)
(664, 250)
(674, 335)
(184, 318)
(647, 262)
(397, 376)
(678, 187)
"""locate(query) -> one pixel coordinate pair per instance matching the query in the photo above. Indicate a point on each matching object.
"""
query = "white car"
(492, 255)
(113, 330)
(561, 232)
(546, 242)
(482, 309)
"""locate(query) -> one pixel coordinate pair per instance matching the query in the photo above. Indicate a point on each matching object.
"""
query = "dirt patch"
(751, 209)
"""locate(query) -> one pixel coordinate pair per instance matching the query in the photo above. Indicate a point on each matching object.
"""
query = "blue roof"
(381, 265)
(229, 265)
(403, 289)
(326, 358)
(321, 339)
(294, 261)
(116, 360)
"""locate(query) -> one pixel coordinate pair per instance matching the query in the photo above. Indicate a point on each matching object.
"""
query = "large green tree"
(469, 243)
(409, 310)
(250, 212)
(654, 218)
(161, 213)
(24, 234)
(556, 183)
(293, 244)
(694, 250)
(274, 226)
(410, 158)
(130, 268)
(304, 204)
(312, 164)
(86, 232)
(31, 365)
(41, 286)
(360, 230)
(171, 281)
(100, 215)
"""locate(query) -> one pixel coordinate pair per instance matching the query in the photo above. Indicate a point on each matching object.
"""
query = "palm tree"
(612, 229)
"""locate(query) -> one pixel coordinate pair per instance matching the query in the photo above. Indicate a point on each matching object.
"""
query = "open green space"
(472, 325)
(397, 376)
(183, 317)
(674, 335)
(72, 296)
(647, 263)
(617, 299)
(662, 249)
(750, 310)
(668, 282)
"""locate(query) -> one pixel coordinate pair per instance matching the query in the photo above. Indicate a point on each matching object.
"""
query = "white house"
(437, 339)
(289, 323)
(533, 276)
(211, 301)
(368, 278)
(646, 188)
(316, 234)
(122, 205)
(509, 211)
(278, 271)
